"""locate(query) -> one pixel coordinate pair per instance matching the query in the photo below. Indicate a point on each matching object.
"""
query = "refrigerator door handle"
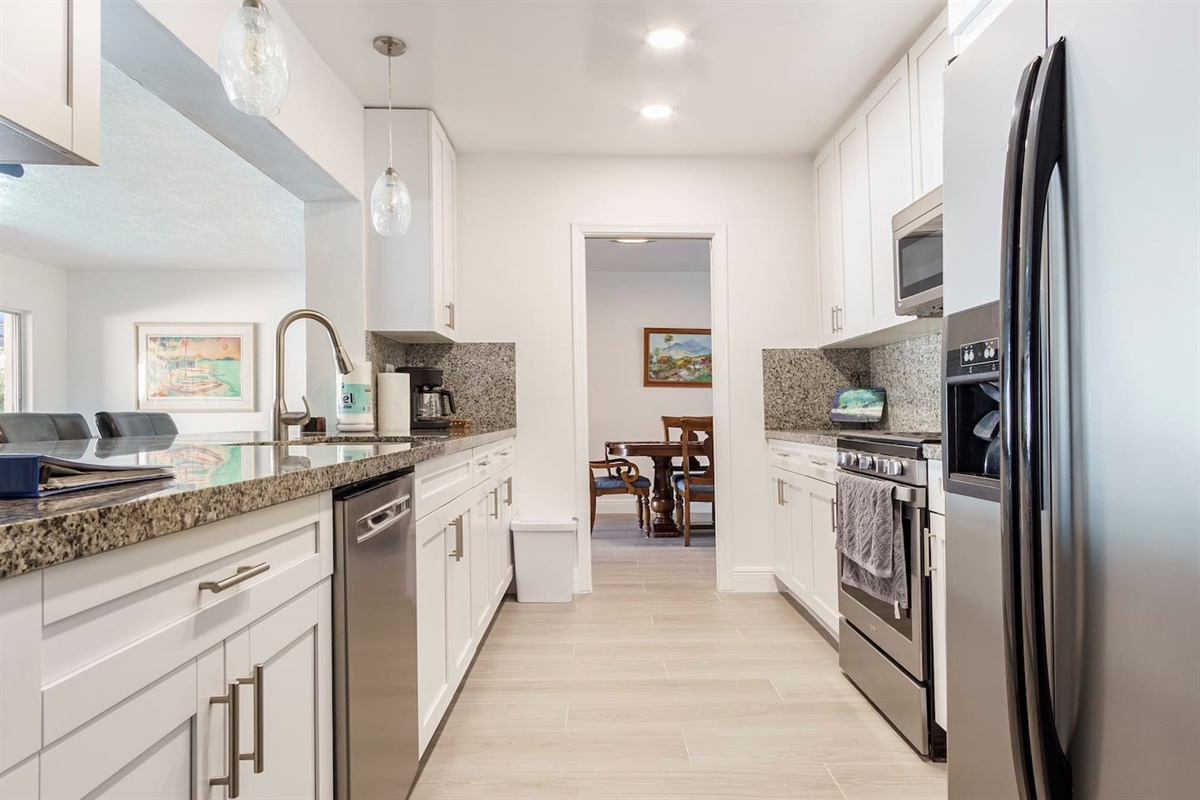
(1011, 331)
(1049, 771)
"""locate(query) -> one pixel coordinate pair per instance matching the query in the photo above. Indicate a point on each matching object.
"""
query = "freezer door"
(1133, 245)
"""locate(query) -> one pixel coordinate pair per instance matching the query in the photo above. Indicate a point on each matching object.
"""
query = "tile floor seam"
(687, 750)
(833, 778)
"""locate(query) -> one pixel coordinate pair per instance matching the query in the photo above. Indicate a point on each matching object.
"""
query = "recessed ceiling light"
(656, 111)
(666, 38)
(630, 241)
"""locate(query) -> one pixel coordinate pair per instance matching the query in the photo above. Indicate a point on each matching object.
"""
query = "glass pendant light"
(253, 61)
(391, 204)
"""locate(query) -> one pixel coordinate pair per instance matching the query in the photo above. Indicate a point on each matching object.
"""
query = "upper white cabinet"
(885, 156)
(927, 62)
(50, 81)
(411, 280)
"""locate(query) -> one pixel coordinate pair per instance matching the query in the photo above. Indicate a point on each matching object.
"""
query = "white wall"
(514, 215)
(39, 291)
(619, 306)
(101, 364)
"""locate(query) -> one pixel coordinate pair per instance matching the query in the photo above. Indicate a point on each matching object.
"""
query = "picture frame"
(195, 366)
(677, 357)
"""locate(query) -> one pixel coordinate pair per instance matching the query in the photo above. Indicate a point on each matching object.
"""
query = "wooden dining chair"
(620, 476)
(695, 487)
(672, 424)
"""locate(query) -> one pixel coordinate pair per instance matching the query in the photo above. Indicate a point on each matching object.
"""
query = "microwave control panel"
(981, 356)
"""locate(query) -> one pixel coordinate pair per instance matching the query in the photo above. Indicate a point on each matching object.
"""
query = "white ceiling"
(657, 255)
(166, 195)
(563, 76)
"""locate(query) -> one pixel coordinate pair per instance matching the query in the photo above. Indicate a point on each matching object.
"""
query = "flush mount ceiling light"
(666, 38)
(391, 204)
(253, 61)
(630, 241)
(656, 111)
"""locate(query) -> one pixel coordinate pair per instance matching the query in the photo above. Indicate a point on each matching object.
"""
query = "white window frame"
(15, 352)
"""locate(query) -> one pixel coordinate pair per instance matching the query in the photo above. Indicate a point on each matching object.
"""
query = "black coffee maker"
(432, 405)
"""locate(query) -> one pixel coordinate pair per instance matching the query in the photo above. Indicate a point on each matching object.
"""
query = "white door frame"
(719, 297)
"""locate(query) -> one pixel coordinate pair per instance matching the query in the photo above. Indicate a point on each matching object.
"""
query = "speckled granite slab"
(822, 438)
(216, 478)
(482, 375)
(933, 452)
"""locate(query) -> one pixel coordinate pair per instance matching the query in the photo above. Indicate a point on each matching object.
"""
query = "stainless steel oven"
(917, 257)
(883, 649)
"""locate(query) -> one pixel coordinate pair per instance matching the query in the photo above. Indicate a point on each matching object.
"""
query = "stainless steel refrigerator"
(1072, 201)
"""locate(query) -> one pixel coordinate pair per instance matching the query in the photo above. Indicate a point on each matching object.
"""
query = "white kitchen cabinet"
(128, 652)
(460, 622)
(822, 513)
(858, 313)
(797, 498)
(781, 527)
(411, 280)
(500, 538)
(435, 540)
(890, 166)
(937, 565)
(485, 517)
(50, 81)
(927, 62)
(829, 242)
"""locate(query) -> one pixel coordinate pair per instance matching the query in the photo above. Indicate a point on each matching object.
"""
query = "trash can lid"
(567, 524)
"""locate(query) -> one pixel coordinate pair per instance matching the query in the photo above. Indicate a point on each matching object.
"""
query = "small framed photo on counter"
(195, 366)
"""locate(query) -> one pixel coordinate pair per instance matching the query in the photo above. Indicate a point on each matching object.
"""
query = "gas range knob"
(896, 468)
(865, 462)
(882, 466)
(846, 459)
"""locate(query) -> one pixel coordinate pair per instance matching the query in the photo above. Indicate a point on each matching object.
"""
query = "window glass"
(10, 361)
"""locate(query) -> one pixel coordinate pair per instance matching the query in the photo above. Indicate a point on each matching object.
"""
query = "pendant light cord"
(389, 111)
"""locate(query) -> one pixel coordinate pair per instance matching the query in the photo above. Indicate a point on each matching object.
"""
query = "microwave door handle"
(1010, 333)
(1048, 765)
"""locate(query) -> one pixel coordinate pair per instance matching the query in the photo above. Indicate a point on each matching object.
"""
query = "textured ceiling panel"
(166, 196)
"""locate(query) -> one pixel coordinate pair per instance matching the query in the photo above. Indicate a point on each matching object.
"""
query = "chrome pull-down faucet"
(282, 417)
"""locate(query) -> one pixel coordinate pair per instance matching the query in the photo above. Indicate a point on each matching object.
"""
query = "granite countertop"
(218, 476)
(828, 438)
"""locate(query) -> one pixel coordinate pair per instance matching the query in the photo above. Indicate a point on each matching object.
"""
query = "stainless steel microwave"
(917, 242)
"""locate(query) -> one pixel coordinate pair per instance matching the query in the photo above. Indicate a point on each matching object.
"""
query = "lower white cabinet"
(804, 532)
(464, 567)
(132, 699)
(937, 565)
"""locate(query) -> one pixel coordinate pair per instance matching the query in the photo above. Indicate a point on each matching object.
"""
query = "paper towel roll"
(393, 403)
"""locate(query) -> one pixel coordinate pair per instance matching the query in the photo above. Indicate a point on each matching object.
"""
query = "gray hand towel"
(870, 536)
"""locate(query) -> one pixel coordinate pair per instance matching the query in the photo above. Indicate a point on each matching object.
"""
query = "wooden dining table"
(662, 497)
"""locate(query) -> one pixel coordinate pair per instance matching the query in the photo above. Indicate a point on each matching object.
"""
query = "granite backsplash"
(798, 384)
(482, 375)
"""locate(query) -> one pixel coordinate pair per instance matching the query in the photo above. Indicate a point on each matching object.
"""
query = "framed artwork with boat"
(195, 366)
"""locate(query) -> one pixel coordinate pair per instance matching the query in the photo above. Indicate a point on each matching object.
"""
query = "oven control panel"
(896, 468)
(984, 355)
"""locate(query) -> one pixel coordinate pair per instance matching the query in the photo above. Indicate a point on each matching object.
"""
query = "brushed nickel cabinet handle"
(483, 462)
(457, 552)
(929, 569)
(231, 780)
(508, 494)
(242, 575)
(450, 315)
(496, 503)
(256, 680)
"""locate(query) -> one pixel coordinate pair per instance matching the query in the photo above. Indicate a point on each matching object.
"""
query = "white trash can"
(544, 552)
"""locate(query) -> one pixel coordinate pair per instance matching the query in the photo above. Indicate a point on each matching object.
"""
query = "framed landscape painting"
(195, 366)
(677, 357)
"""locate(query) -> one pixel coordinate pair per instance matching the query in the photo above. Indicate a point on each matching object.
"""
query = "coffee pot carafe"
(432, 404)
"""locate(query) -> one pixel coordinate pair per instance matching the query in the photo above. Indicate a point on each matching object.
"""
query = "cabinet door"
(485, 515)
(449, 248)
(829, 243)
(460, 625)
(858, 305)
(50, 81)
(282, 721)
(435, 539)
(781, 528)
(822, 515)
(796, 497)
(937, 557)
(927, 62)
(442, 250)
(500, 543)
(144, 748)
(889, 161)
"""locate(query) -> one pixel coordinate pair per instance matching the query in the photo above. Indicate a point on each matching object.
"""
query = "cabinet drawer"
(812, 460)
(440, 480)
(493, 459)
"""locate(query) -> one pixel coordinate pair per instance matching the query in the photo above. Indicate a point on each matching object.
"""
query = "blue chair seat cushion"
(697, 488)
(610, 482)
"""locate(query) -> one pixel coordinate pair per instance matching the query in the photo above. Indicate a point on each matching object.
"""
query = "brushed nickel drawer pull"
(508, 494)
(256, 680)
(496, 503)
(243, 574)
(231, 780)
(457, 552)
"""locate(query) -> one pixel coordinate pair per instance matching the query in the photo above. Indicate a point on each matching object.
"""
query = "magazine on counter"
(32, 475)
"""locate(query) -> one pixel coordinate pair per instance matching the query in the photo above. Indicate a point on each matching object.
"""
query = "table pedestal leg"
(662, 502)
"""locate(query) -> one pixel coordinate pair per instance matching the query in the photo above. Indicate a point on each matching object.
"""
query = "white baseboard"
(752, 579)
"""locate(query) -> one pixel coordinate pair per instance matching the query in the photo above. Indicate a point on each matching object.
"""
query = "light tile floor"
(656, 686)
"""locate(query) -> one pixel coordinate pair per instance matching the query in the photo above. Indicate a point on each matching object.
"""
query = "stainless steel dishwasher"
(375, 639)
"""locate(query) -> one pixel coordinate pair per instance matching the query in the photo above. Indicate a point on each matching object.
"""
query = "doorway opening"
(650, 313)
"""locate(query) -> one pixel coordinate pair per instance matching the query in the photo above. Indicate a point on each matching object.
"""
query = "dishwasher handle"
(380, 519)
